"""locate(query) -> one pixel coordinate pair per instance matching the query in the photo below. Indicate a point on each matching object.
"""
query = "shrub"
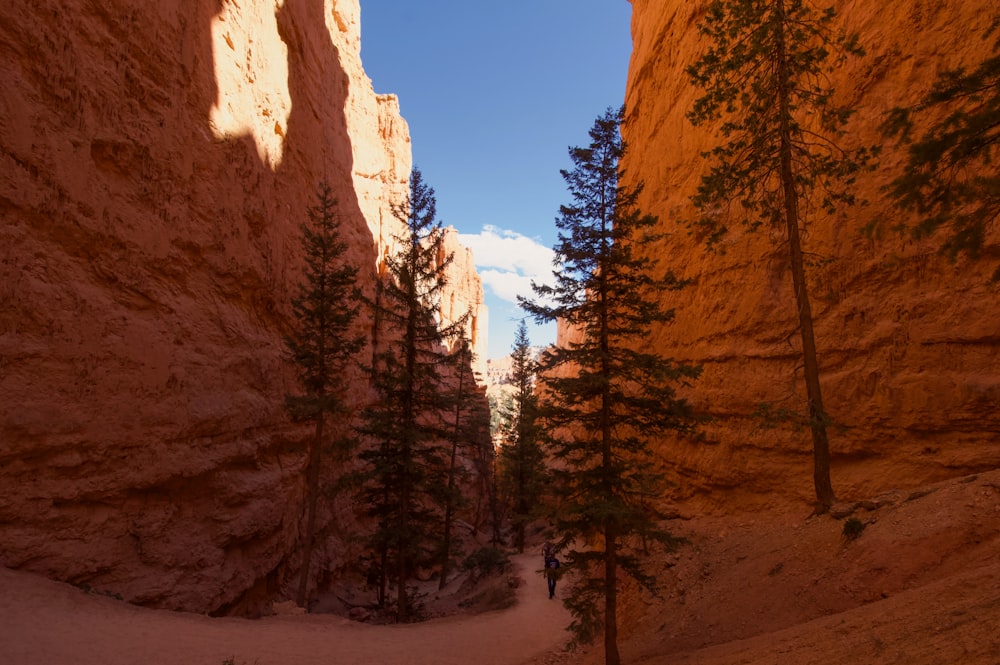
(853, 528)
(486, 560)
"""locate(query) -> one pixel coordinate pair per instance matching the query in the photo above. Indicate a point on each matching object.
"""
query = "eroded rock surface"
(156, 159)
(909, 343)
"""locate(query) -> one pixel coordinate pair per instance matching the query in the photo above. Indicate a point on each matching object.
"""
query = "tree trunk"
(817, 414)
(402, 569)
(405, 461)
(312, 490)
(449, 498)
(611, 655)
(448, 508)
(383, 576)
(522, 499)
(497, 537)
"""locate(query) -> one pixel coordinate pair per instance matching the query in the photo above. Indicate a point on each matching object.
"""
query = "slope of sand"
(920, 586)
(47, 623)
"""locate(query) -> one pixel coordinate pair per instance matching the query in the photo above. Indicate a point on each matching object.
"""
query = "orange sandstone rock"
(156, 159)
(909, 344)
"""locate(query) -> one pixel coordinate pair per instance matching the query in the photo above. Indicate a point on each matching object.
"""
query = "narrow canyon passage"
(53, 624)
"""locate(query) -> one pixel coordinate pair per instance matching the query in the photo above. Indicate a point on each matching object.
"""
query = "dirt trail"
(46, 623)
(919, 586)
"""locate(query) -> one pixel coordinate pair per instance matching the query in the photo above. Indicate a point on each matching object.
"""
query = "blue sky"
(494, 94)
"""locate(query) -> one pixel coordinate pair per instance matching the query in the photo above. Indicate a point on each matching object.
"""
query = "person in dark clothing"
(551, 572)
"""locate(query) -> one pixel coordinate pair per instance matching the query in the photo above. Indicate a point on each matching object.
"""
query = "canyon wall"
(156, 160)
(909, 343)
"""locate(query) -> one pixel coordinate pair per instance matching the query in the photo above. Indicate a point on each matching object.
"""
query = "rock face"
(909, 343)
(465, 296)
(156, 159)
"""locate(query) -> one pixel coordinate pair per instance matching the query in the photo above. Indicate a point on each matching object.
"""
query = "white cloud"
(508, 261)
(507, 285)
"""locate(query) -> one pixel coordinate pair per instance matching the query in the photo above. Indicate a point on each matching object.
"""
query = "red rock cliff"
(156, 159)
(909, 343)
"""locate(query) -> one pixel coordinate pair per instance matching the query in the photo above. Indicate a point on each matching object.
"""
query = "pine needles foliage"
(951, 179)
(323, 345)
(522, 461)
(605, 396)
(405, 465)
(470, 433)
(765, 85)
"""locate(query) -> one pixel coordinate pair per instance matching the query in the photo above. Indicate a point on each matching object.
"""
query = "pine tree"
(521, 455)
(764, 75)
(489, 461)
(465, 428)
(405, 465)
(485, 465)
(604, 398)
(951, 179)
(322, 346)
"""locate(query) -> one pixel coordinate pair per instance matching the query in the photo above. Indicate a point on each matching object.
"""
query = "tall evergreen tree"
(605, 397)
(405, 464)
(466, 426)
(765, 76)
(951, 179)
(521, 454)
(322, 345)
(484, 460)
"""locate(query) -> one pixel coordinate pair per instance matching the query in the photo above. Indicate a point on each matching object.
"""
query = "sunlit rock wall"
(156, 159)
(908, 342)
(465, 297)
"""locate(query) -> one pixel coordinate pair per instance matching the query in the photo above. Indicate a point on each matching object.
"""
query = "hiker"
(551, 568)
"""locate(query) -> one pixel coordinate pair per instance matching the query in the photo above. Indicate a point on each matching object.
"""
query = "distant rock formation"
(156, 159)
(909, 344)
(498, 370)
(465, 296)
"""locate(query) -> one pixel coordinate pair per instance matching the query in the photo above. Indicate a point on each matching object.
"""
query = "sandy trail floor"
(919, 586)
(47, 623)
